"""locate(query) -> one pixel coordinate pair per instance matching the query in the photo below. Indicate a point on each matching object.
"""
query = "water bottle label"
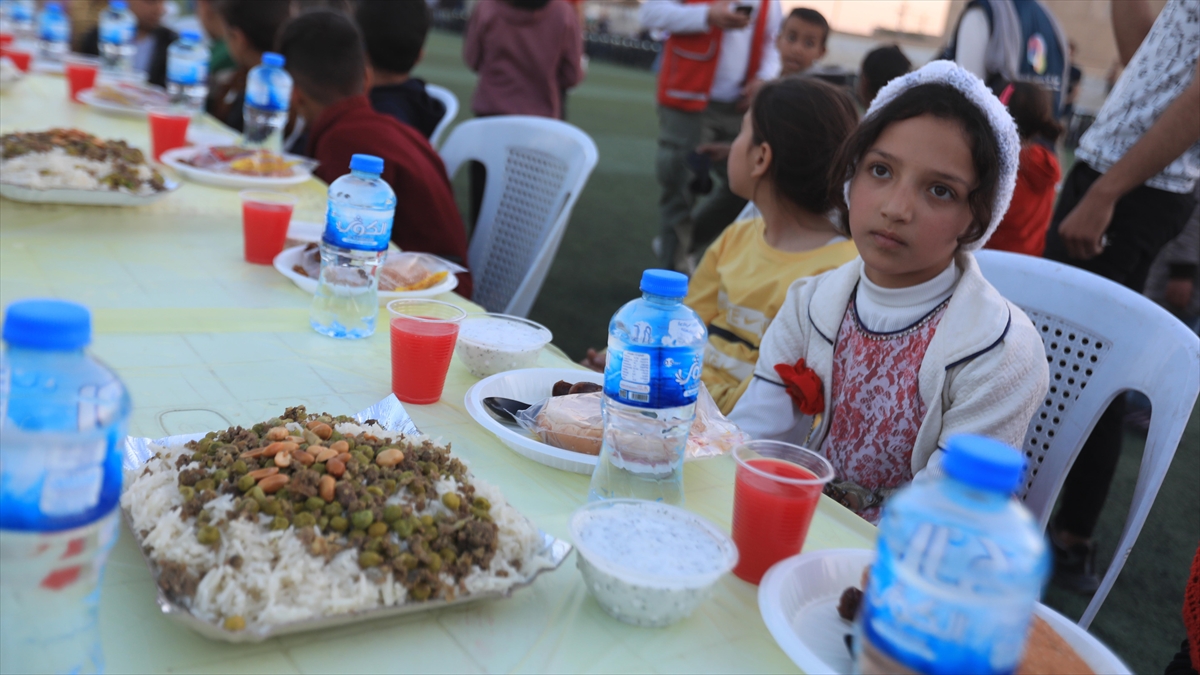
(362, 229)
(653, 377)
(117, 33)
(928, 613)
(271, 90)
(55, 31)
(187, 71)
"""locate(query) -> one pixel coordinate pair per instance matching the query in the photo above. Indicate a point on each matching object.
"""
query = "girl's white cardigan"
(984, 371)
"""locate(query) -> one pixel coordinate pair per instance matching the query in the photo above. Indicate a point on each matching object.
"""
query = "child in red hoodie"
(1023, 229)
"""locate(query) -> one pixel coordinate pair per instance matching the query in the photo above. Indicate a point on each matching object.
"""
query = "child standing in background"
(880, 66)
(802, 40)
(1024, 227)
(781, 161)
(394, 33)
(878, 362)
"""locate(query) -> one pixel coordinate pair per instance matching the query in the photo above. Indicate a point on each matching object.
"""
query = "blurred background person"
(250, 30)
(221, 65)
(394, 34)
(151, 40)
(802, 41)
(880, 66)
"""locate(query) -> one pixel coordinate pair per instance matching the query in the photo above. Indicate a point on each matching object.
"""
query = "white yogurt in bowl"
(647, 563)
(493, 343)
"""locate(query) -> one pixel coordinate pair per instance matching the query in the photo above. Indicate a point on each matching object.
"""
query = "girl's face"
(747, 161)
(908, 200)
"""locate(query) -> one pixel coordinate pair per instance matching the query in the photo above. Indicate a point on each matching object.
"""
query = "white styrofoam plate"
(289, 257)
(174, 159)
(530, 385)
(305, 230)
(21, 193)
(89, 98)
(799, 596)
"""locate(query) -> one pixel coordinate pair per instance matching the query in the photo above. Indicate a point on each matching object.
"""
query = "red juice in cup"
(168, 130)
(265, 220)
(421, 351)
(6, 39)
(775, 493)
(19, 57)
(81, 74)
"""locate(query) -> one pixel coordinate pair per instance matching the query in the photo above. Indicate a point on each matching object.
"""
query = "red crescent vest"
(689, 63)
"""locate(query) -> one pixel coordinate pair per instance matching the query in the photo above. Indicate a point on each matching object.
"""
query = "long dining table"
(204, 340)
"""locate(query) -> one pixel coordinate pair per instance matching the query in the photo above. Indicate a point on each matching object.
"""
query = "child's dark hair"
(259, 20)
(529, 5)
(804, 120)
(394, 32)
(945, 102)
(880, 66)
(1032, 110)
(815, 18)
(324, 53)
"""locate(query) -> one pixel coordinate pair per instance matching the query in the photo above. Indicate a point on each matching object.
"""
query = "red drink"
(168, 130)
(19, 57)
(264, 229)
(771, 513)
(81, 75)
(6, 39)
(421, 351)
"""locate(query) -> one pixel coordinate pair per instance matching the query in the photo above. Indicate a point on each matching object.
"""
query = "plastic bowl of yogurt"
(648, 563)
(493, 343)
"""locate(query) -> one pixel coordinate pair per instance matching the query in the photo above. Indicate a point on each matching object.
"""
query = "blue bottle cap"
(118, 5)
(54, 8)
(367, 163)
(665, 283)
(192, 35)
(272, 59)
(53, 325)
(983, 463)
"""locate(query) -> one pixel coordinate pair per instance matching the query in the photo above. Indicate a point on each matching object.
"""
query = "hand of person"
(717, 152)
(748, 91)
(1082, 231)
(594, 360)
(1178, 293)
(722, 15)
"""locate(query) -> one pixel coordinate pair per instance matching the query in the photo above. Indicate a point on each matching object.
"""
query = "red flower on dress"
(803, 386)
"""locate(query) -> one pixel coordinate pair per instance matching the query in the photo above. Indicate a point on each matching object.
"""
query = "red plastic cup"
(423, 337)
(6, 39)
(81, 74)
(265, 219)
(168, 129)
(19, 57)
(775, 493)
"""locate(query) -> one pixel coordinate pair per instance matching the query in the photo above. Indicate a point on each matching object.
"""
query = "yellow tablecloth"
(204, 340)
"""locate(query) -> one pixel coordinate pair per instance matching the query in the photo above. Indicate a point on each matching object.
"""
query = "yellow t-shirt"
(737, 290)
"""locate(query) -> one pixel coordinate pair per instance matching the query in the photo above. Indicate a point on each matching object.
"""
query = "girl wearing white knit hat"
(875, 364)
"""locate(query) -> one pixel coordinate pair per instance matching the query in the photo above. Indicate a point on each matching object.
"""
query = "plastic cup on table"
(168, 129)
(776, 490)
(265, 219)
(81, 74)
(6, 39)
(19, 57)
(423, 337)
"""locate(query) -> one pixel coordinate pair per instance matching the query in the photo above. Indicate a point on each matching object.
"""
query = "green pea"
(325, 419)
(208, 535)
(284, 494)
(279, 523)
(393, 512)
(434, 563)
(220, 475)
(374, 544)
(405, 478)
(359, 457)
(338, 524)
(369, 559)
(362, 519)
(377, 529)
(449, 555)
(250, 506)
(407, 560)
(403, 528)
(350, 441)
(333, 509)
(482, 503)
(481, 513)
(367, 452)
(239, 467)
(186, 492)
(210, 435)
(274, 422)
(420, 592)
(375, 490)
(205, 484)
(304, 520)
(336, 436)
(246, 483)
(427, 520)
(271, 507)
(389, 486)
(319, 468)
(257, 493)
(323, 522)
(315, 504)
(451, 501)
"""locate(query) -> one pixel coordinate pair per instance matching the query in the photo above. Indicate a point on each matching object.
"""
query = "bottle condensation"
(63, 417)
(54, 33)
(187, 71)
(265, 112)
(959, 569)
(358, 226)
(115, 35)
(651, 381)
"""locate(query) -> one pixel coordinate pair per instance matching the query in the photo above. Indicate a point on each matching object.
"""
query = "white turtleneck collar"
(886, 310)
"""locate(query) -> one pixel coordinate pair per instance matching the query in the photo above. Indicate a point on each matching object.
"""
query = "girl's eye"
(942, 192)
(879, 171)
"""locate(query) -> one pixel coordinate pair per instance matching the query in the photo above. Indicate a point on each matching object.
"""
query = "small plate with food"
(121, 97)
(403, 275)
(233, 166)
(69, 166)
(805, 599)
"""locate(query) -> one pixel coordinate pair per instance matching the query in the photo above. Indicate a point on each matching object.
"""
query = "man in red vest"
(717, 54)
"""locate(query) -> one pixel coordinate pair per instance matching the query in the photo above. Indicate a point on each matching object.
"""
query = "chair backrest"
(449, 100)
(1101, 340)
(536, 168)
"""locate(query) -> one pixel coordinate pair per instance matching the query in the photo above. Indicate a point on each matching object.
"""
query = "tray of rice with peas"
(69, 166)
(306, 522)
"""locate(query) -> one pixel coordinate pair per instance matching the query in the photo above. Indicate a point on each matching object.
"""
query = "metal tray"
(391, 415)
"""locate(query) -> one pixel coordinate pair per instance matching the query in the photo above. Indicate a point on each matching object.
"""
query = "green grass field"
(607, 245)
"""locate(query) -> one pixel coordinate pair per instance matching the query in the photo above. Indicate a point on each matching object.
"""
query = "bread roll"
(1047, 653)
(573, 423)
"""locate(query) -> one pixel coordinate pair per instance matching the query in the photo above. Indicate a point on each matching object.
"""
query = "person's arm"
(1131, 20)
(675, 17)
(570, 63)
(768, 68)
(473, 40)
(1176, 130)
(766, 412)
(971, 41)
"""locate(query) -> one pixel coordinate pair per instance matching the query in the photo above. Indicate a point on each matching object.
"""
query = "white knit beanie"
(1008, 143)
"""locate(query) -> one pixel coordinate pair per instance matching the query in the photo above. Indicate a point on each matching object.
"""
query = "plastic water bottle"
(651, 381)
(116, 33)
(54, 32)
(358, 226)
(187, 71)
(64, 417)
(21, 17)
(268, 94)
(960, 567)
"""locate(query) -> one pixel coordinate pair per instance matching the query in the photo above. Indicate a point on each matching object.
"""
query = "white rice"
(56, 169)
(279, 581)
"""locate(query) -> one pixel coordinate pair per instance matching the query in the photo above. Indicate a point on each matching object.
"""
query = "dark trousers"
(1143, 222)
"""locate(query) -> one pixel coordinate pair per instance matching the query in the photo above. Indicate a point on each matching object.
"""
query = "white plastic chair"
(449, 100)
(749, 211)
(536, 168)
(1101, 340)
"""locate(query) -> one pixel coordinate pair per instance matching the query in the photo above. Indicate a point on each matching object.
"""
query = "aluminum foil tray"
(391, 415)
